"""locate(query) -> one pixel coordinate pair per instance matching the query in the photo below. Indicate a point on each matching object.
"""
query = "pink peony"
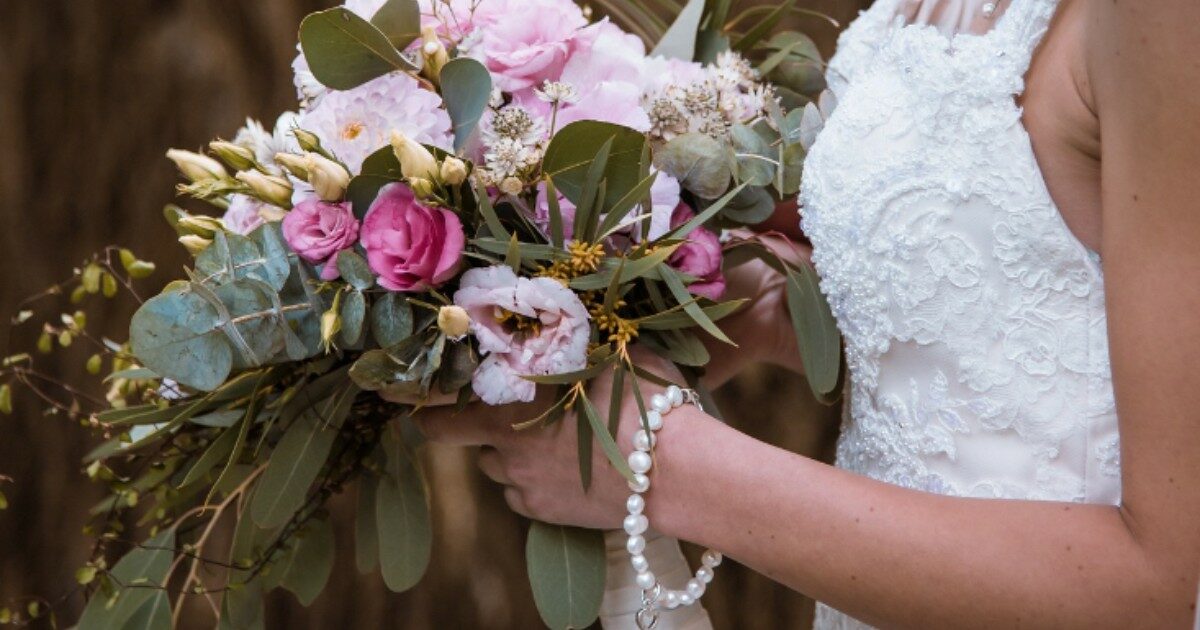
(410, 246)
(699, 256)
(530, 44)
(525, 326)
(318, 230)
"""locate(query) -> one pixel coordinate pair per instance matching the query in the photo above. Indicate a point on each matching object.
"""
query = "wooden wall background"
(92, 92)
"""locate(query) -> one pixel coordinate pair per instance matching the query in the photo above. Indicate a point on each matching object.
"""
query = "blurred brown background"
(92, 92)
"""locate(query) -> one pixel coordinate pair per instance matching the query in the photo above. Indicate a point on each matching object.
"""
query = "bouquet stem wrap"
(623, 597)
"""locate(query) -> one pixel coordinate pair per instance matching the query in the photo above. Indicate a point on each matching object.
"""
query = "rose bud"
(454, 321)
(327, 177)
(196, 167)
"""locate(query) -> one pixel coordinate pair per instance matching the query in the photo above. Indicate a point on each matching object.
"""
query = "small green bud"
(34, 608)
(108, 285)
(78, 294)
(45, 343)
(6, 615)
(196, 167)
(194, 244)
(127, 258)
(93, 364)
(6, 406)
(140, 269)
(131, 498)
(80, 320)
(85, 575)
(200, 225)
(91, 278)
(65, 338)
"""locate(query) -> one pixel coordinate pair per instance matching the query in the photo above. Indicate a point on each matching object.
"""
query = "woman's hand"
(539, 466)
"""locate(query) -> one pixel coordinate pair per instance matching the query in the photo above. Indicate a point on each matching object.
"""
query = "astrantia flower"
(525, 326)
(355, 123)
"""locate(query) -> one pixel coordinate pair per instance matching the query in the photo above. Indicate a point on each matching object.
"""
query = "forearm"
(904, 558)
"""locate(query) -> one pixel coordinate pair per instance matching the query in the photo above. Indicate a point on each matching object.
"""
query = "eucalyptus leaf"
(574, 147)
(344, 51)
(567, 572)
(366, 532)
(378, 170)
(298, 459)
(391, 319)
(755, 161)
(816, 330)
(466, 90)
(402, 517)
(173, 334)
(217, 452)
(699, 162)
(458, 366)
(310, 563)
(751, 206)
(400, 21)
(354, 270)
(154, 614)
(679, 42)
(354, 313)
(149, 563)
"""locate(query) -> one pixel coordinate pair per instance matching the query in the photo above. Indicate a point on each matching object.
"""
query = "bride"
(1003, 213)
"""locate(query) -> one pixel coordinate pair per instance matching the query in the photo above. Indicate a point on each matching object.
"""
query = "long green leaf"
(679, 42)
(631, 270)
(310, 563)
(705, 216)
(607, 441)
(138, 574)
(366, 533)
(588, 206)
(402, 517)
(566, 571)
(816, 331)
(671, 279)
(676, 318)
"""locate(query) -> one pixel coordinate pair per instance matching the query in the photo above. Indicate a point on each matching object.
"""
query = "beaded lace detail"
(973, 318)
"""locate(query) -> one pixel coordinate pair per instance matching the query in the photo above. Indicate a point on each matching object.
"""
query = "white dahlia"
(355, 123)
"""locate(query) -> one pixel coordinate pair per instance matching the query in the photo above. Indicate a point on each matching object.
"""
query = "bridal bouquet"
(475, 198)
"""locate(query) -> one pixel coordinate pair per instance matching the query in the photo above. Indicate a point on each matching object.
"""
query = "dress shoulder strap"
(1022, 28)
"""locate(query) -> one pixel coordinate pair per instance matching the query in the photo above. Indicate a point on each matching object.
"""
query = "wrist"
(677, 492)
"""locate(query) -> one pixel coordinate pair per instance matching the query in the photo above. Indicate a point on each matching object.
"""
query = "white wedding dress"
(973, 318)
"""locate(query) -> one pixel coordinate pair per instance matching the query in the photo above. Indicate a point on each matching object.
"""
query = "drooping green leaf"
(816, 330)
(218, 451)
(755, 161)
(706, 214)
(690, 306)
(466, 89)
(458, 366)
(567, 571)
(673, 319)
(310, 563)
(583, 442)
(391, 319)
(366, 534)
(679, 42)
(575, 146)
(699, 162)
(354, 313)
(400, 21)
(344, 51)
(402, 517)
(298, 458)
(756, 33)
(607, 441)
(147, 567)
(680, 346)
(588, 209)
(154, 614)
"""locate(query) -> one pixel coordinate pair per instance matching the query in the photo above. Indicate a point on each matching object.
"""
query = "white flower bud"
(415, 160)
(295, 164)
(327, 177)
(196, 167)
(511, 186)
(433, 52)
(272, 213)
(273, 190)
(194, 244)
(454, 321)
(454, 171)
(235, 155)
(200, 225)
(421, 187)
(331, 325)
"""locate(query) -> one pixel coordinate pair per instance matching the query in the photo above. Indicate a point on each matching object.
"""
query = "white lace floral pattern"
(973, 318)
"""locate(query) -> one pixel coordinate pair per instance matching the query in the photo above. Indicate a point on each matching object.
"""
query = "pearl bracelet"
(655, 596)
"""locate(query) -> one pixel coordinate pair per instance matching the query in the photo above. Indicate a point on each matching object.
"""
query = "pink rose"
(410, 246)
(525, 326)
(318, 230)
(699, 256)
(530, 44)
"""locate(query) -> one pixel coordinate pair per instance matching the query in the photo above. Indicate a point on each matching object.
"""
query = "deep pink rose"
(699, 256)
(317, 230)
(531, 43)
(410, 246)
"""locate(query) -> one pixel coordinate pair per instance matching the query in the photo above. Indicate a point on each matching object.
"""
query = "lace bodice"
(973, 318)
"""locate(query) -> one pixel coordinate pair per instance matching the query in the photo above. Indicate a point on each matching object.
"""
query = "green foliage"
(400, 21)
(679, 42)
(567, 572)
(135, 578)
(402, 516)
(307, 567)
(816, 331)
(391, 319)
(378, 170)
(573, 150)
(700, 163)
(466, 89)
(344, 51)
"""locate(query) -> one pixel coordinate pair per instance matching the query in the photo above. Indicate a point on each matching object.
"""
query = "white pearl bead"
(635, 545)
(659, 403)
(675, 395)
(654, 419)
(639, 461)
(643, 441)
(705, 574)
(636, 524)
(711, 558)
(671, 600)
(646, 580)
(686, 600)
(639, 562)
(640, 483)
(695, 588)
(635, 504)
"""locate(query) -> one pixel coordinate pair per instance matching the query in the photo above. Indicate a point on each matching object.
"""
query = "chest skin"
(1062, 122)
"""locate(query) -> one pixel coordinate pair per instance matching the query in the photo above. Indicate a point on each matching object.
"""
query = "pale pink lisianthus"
(318, 231)
(242, 216)
(410, 246)
(530, 44)
(699, 256)
(491, 296)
